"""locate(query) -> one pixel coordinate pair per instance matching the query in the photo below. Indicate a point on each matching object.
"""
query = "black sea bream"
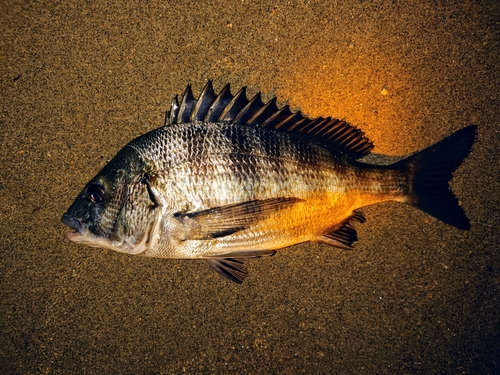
(227, 178)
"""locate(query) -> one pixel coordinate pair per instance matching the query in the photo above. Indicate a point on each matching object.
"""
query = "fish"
(227, 178)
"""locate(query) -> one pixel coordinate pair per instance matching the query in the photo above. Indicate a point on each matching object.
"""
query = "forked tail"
(430, 172)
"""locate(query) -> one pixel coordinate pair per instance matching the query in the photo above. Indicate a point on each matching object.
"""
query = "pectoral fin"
(225, 220)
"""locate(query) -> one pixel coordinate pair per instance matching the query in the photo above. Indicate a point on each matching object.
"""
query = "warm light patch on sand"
(380, 102)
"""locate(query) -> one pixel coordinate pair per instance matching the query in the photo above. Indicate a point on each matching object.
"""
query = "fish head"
(114, 209)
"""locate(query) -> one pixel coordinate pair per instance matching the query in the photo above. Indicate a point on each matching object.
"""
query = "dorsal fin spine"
(235, 105)
(275, 118)
(288, 121)
(212, 107)
(253, 105)
(262, 114)
(220, 103)
(187, 104)
(203, 103)
(171, 116)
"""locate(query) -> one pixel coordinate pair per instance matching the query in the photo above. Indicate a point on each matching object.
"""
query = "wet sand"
(415, 296)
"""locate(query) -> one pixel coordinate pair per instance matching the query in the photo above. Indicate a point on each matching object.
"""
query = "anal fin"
(344, 235)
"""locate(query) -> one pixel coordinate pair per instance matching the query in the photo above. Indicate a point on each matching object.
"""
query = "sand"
(78, 81)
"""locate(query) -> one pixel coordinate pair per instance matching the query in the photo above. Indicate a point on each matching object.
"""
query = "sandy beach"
(81, 79)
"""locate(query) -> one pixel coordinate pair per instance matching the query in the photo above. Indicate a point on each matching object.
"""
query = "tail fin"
(431, 170)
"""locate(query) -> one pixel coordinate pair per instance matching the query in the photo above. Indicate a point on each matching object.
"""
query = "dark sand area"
(78, 81)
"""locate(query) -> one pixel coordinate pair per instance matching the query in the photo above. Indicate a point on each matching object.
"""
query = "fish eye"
(95, 192)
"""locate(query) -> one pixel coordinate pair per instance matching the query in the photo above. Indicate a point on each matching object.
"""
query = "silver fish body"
(227, 178)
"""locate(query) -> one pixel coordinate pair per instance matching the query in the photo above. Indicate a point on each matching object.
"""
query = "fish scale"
(248, 158)
(228, 178)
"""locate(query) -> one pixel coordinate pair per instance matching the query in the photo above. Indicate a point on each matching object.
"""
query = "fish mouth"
(81, 230)
(83, 235)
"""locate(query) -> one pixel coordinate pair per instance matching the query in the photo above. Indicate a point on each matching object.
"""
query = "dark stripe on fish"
(303, 153)
(238, 139)
(271, 145)
(194, 137)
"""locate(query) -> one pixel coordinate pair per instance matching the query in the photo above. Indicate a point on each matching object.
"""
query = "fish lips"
(80, 228)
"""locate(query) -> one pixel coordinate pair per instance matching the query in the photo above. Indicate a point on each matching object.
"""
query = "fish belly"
(327, 197)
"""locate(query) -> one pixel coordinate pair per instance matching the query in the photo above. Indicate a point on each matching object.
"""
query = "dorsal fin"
(187, 106)
(220, 103)
(211, 107)
(205, 101)
(235, 105)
